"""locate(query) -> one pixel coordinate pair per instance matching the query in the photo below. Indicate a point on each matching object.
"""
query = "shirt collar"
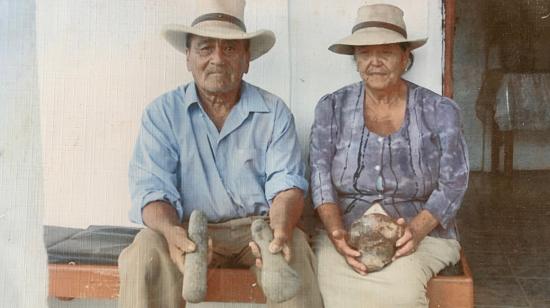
(250, 101)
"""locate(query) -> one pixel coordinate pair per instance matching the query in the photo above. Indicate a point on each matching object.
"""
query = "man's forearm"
(286, 210)
(160, 216)
(330, 215)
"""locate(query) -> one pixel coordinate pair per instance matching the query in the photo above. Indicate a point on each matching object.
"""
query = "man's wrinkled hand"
(178, 245)
(278, 244)
(338, 238)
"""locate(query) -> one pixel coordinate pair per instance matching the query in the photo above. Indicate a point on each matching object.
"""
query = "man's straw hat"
(222, 19)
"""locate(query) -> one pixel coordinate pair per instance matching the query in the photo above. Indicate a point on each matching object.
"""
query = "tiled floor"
(505, 232)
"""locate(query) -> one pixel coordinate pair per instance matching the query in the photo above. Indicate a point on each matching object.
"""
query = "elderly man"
(222, 146)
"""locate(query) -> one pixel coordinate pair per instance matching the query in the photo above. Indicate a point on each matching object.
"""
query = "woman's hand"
(408, 243)
(338, 238)
(330, 215)
(420, 226)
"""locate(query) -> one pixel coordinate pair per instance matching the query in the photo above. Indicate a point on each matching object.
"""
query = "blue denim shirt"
(423, 165)
(180, 157)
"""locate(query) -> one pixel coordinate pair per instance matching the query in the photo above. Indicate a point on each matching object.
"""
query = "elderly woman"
(388, 143)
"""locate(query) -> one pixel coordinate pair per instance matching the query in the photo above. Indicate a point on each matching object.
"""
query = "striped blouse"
(423, 165)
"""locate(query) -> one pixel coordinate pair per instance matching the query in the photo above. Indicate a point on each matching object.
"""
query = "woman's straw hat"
(376, 24)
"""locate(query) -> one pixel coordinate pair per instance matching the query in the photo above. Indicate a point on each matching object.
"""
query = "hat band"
(220, 17)
(379, 24)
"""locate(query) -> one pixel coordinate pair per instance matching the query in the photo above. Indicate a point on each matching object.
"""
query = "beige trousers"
(400, 284)
(149, 278)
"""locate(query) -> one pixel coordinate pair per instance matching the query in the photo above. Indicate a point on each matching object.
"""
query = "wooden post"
(449, 27)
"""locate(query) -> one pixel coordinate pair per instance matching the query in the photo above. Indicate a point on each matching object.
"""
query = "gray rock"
(279, 281)
(196, 263)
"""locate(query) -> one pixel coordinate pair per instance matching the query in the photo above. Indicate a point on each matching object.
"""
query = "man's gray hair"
(190, 36)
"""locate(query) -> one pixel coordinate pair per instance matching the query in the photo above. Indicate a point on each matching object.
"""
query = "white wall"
(101, 62)
(22, 253)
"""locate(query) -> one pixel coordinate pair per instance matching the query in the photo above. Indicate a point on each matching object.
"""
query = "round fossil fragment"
(374, 235)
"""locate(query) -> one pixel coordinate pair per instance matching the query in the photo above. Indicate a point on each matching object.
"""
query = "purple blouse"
(424, 165)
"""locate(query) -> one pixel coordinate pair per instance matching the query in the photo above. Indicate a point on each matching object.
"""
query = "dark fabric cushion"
(94, 245)
(56, 234)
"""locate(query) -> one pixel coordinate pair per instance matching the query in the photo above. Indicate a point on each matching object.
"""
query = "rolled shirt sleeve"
(445, 200)
(154, 163)
(285, 168)
(323, 138)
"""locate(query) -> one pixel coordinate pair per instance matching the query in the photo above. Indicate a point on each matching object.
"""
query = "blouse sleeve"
(324, 133)
(445, 200)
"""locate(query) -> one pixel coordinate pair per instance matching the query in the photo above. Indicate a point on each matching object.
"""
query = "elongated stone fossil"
(196, 263)
(279, 281)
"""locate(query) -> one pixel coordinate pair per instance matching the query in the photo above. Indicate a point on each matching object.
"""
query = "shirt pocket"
(248, 173)
(248, 163)
(249, 160)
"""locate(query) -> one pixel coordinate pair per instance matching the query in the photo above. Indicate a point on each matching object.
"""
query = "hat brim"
(260, 41)
(372, 36)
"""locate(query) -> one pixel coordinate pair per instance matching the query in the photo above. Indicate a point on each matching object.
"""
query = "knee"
(409, 294)
(150, 238)
(145, 252)
(303, 259)
(300, 242)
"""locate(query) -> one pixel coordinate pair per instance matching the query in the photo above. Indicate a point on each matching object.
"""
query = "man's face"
(217, 65)
(381, 66)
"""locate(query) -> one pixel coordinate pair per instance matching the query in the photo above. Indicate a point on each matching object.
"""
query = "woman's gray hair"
(404, 46)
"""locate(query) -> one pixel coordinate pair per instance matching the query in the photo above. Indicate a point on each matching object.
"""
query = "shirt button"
(377, 168)
(380, 139)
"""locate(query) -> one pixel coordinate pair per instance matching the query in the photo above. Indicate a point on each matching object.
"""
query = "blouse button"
(379, 183)
(380, 139)
(377, 168)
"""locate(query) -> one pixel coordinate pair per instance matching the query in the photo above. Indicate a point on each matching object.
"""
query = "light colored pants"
(149, 278)
(402, 283)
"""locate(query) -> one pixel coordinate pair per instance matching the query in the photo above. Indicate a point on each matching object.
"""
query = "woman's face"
(381, 66)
